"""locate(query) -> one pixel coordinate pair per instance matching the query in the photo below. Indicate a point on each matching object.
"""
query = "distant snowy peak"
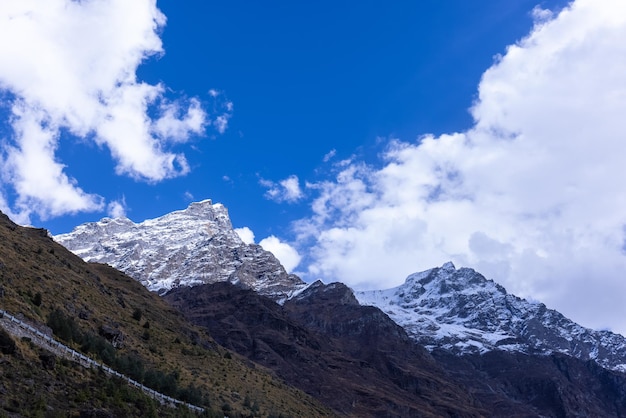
(183, 248)
(461, 311)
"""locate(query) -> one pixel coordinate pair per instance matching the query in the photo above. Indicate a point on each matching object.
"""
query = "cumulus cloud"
(532, 195)
(6, 209)
(68, 70)
(287, 190)
(285, 253)
(117, 208)
(221, 122)
(174, 126)
(246, 234)
(35, 175)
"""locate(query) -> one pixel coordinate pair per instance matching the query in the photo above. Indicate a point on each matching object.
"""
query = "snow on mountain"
(457, 310)
(461, 311)
(184, 248)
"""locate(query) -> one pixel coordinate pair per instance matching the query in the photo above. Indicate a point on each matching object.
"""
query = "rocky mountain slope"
(357, 361)
(115, 320)
(183, 248)
(461, 311)
(352, 358)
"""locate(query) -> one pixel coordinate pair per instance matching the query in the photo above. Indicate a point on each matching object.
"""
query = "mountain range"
(453, 309)
(448, 342)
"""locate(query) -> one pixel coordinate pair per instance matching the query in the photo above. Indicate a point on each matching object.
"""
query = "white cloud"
(176, 127)
(34, 173)
(246, 234)
(542, 15)
(20, 218)
(329, 155)
(70, 66)
(220, 123)
(285, 253)
(117, 208)
(532, 195)
(287, 190)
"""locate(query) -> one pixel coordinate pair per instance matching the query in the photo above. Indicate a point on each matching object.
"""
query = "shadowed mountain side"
(352, 358)
(521, 385)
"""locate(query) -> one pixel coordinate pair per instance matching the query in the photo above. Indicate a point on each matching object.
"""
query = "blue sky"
(359, 141)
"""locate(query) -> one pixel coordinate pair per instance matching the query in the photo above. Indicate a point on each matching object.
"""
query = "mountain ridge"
(360, 363)
(461, 311)
(444, 307)
(353, 358)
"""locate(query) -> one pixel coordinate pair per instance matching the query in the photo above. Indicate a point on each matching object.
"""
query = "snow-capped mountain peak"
(183, 248)
(461, 311)
(446, 308)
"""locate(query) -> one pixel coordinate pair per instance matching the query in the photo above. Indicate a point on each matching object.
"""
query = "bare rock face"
(357, 361)
(113, 335)
(352, 358)
(194, 246)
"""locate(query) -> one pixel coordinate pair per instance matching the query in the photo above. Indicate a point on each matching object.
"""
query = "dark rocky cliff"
(360, 363)
(352, 358)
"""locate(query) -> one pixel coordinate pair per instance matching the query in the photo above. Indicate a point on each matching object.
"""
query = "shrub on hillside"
(63, 326)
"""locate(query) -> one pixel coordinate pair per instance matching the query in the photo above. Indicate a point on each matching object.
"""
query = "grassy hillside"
(99, 310)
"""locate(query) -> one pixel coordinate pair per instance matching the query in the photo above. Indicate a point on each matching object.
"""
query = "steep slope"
(183, 248)
(501, 383)
(352, 358)
(111, 317)
(357, 361)
(460, 311)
